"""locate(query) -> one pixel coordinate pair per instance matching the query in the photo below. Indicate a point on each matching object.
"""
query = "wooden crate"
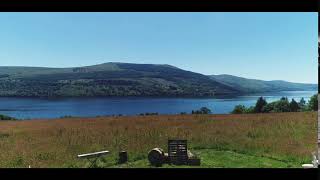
(177, 152)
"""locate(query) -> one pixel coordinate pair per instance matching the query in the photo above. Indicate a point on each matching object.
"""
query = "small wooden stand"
(123, 157)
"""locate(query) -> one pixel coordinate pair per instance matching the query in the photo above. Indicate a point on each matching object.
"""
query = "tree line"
(4, 117)
(282, 105)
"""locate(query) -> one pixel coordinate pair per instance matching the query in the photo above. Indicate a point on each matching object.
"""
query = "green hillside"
(254, 85)
(109, 79)
(125, 79)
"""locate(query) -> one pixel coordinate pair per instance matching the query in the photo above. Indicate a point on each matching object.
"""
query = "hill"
(125, 79)
(255, 86)
(109, 79)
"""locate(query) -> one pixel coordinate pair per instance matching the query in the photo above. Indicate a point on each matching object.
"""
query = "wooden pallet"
(178, 152)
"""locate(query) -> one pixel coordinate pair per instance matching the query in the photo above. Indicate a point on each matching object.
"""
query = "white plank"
(93, 154)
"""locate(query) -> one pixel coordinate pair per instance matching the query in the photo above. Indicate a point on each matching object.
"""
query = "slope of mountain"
(124, 79)
(254, 85)
(109, 79)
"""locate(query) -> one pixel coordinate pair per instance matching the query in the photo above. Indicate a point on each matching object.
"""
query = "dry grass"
(55, 143)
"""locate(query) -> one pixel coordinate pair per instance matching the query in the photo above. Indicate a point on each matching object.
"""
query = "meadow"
(231, 140)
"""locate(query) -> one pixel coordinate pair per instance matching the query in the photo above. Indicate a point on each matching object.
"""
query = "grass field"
(248, 140)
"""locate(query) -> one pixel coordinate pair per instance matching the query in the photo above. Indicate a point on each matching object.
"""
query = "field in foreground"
(249, 140)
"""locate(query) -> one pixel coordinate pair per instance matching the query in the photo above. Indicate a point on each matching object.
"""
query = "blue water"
(34, 108)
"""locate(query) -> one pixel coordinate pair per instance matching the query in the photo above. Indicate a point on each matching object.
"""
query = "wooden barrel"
(156, 157)
(123, 157)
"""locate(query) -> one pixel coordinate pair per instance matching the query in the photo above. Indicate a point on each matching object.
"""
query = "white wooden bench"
(93, 157)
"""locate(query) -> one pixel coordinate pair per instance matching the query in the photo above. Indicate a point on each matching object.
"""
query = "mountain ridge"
(128, 79)
(255, 85)
(108, 79)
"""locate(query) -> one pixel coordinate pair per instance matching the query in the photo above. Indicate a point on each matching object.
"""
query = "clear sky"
(268, 46)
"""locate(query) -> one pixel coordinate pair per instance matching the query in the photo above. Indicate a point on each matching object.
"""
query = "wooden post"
(123, 157)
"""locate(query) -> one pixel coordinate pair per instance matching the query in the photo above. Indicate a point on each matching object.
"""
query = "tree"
(313, 103)
(4, 117)
(282, 106)
(270, 107)
(261, 102)
(284, 99)
(205, 110)
(239, 109)
(302, 105)
(250, 109)
(302, 102)
(294, 106)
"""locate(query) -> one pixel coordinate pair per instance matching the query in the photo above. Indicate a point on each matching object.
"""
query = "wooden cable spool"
(156, 156)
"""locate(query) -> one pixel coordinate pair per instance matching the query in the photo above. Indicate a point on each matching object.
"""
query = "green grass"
(244, 140)
(210, 158)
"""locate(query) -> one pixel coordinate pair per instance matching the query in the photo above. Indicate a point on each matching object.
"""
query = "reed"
(287, 137)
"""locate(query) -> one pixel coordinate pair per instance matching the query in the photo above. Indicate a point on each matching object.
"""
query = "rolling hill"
(255, 86)
(125, 79)
(109, 79)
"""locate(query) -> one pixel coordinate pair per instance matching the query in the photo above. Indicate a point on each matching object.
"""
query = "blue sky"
(268, 46)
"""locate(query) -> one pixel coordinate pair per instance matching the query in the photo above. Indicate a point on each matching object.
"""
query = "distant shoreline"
(160, 97)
